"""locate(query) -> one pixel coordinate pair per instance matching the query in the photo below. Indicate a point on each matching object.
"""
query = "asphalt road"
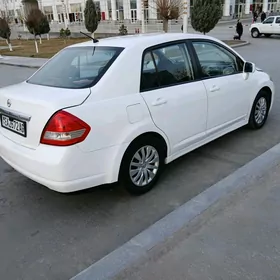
(47, 235)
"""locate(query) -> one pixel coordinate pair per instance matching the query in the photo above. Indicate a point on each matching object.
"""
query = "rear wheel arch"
(149, 137)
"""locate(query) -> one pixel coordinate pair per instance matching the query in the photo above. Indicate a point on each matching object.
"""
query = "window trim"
(202, 77)
(187, 52)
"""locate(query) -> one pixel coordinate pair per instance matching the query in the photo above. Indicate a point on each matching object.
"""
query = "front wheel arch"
(269, 94)
(253, 30)
(266, 93)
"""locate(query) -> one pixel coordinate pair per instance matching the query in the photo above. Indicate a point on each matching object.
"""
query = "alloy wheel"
(144, 166)
(260, 110)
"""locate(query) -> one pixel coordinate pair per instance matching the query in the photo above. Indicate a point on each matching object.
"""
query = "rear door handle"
(214, 88)
(159, 101)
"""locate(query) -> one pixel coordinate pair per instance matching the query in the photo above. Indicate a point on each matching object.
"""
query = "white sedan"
(121, 108)
(270, 26)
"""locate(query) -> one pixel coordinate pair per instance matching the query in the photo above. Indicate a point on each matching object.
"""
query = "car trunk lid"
(26, 108)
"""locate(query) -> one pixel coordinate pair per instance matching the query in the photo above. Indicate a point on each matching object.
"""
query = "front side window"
(216, 61)
(278, 20)
(76, 67)
(166, 66)
(268, 20)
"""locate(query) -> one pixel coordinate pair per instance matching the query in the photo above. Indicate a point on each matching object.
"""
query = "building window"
(133, 4)
(48, 11)
(120, 15)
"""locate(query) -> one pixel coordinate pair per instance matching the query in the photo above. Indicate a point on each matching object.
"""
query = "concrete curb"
(3, 62)
(241, 45)
(139, 246)
(19, 65)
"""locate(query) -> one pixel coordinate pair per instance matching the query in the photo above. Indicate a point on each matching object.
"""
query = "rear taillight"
(64, 129)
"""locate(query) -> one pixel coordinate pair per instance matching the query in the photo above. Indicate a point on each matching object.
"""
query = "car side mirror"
(249, 67)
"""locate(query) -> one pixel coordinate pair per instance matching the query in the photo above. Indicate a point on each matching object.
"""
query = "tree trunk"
(40, 39)
(36, 45)
(48, 36)
(9, 44)
(165, 25)
(92, 35)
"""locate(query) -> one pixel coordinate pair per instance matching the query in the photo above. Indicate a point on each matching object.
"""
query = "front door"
(267, 26)
(276, 26)
(177, 103)
(227, 89)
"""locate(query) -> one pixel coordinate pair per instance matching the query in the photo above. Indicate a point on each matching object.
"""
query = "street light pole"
(185, 17)
(143, 17)
(64, 13)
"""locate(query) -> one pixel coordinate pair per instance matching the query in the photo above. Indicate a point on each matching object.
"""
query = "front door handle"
(214, 88)
(159, 101)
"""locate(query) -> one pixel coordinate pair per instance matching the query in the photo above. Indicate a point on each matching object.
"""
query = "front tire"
(255, 33)
(259, 111)
(142, 165)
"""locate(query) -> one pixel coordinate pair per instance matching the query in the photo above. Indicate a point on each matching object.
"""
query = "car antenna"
(94, 40)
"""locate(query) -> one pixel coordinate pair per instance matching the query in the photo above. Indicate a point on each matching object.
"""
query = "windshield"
(76, 67)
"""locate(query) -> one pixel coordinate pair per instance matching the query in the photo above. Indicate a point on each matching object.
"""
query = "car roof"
(143, 40)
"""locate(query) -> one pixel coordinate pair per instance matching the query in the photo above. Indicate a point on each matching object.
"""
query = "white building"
(126, 9)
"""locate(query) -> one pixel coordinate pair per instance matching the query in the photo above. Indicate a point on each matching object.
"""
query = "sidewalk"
(229, 231)
(22, 61)
(239, 238)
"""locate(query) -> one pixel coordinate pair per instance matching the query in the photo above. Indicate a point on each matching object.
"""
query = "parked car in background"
(121, 108)
(270, 26)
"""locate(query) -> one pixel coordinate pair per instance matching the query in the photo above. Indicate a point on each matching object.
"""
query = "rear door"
(176, 100)
(276, 26)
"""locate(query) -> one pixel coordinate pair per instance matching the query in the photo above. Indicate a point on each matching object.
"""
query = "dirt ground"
(48, 48)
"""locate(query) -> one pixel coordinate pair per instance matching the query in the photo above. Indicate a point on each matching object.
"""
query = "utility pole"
(185, 17)
(64, 13)
(143, 17)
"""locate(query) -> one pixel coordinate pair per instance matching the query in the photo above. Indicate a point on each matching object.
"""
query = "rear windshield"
(76, 67)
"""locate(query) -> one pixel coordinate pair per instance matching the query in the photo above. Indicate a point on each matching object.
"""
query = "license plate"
(14, 125)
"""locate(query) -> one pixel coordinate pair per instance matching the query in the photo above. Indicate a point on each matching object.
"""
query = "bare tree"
(168, 10)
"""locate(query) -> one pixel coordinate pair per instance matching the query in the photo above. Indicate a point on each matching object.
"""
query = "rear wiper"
(93, 39)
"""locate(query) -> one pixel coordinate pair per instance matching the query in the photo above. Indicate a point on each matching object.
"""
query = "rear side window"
(278, 20)
(166, 66)
(76, 67)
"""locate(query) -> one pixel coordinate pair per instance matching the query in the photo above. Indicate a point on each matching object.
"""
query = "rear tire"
(259, 111)
(255, 33)
(142, 165)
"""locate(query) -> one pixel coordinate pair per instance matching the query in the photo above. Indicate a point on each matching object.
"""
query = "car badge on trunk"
(9, 103)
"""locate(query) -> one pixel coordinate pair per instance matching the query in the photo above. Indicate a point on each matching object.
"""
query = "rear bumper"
(62, 169)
